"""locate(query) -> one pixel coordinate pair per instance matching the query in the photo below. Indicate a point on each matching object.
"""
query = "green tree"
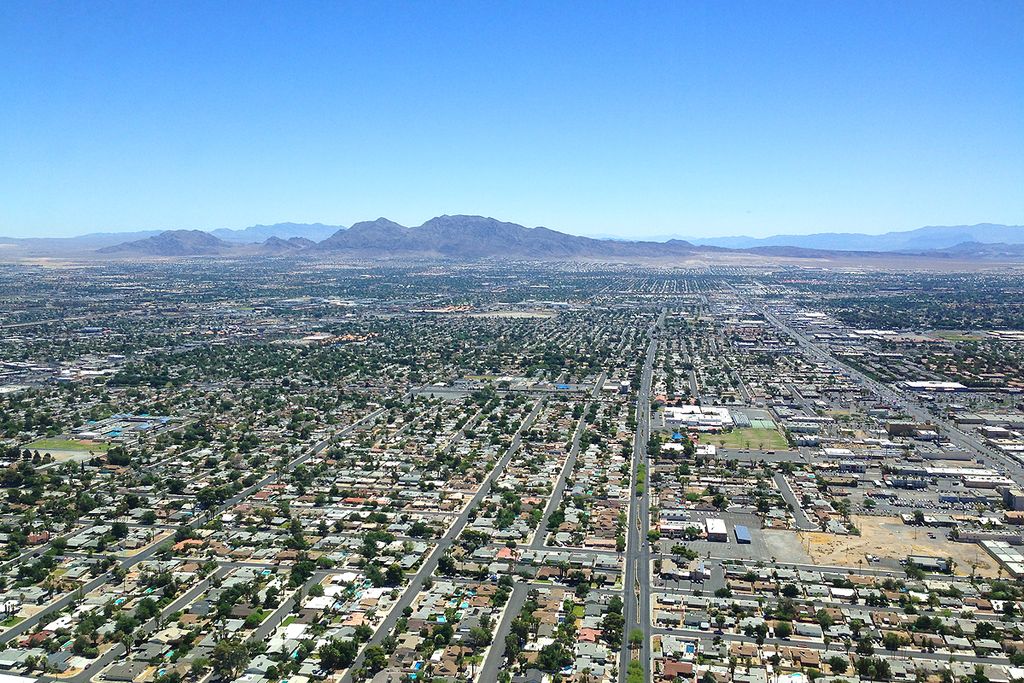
(553, 657)
(838, 665)
(229, 658)
(337, 654)
(375, 659)
(865, 647)
(636, 638)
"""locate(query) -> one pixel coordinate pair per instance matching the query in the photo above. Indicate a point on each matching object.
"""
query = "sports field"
(67, 445)
(752, 437)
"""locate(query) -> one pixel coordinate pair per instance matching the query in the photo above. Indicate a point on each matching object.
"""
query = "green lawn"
(44, 445)
(766, 439)
(11, 621)
(956, 335)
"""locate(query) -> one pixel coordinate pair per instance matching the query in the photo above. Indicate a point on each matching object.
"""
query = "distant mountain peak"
(471, 237)
(257, 234)
(276, 246)
(378, 223)
(172, 243)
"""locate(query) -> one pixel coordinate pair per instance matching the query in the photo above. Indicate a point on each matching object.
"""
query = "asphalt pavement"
(803, 522)
(496, 651)
(637, 579)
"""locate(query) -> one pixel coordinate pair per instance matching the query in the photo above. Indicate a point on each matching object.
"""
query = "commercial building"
(716, 530)
(701, 418)
(1013, 498)
(934, 386)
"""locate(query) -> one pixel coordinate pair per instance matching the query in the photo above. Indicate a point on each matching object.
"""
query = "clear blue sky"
(688, 118)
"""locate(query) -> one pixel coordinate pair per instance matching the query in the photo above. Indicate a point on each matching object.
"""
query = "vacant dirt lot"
(890, 538)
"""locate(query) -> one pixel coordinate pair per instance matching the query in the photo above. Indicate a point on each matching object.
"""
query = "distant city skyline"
(635, 121)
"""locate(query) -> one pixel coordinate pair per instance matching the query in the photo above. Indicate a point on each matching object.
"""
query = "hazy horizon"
(688, 119)
(652, 236)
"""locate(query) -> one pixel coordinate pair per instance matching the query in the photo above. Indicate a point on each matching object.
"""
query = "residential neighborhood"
(659, 475)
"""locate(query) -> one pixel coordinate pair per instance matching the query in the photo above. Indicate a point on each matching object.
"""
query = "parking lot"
(764, 544)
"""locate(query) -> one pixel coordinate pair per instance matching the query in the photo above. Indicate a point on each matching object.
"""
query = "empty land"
(889, 537)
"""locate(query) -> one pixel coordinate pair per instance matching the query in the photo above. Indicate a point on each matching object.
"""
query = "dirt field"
(889, 537)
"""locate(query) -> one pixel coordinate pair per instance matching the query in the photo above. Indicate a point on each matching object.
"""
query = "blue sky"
(686, 118)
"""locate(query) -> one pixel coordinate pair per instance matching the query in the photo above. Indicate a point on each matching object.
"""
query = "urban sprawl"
(220, 470)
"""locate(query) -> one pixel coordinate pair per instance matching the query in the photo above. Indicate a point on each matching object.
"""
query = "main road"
(637, 581)
(968, 442)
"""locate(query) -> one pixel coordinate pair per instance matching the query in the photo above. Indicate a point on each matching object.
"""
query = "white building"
(703, 418)
(716, 529)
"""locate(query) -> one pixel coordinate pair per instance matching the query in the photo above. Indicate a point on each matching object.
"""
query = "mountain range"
(173, 243)
(444, 237)
(476, 237)
(97, 241)
(921, 239)
(255, 234)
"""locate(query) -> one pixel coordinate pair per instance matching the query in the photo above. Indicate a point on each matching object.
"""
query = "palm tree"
(474, 661)
(49, 583)
(127, 640)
